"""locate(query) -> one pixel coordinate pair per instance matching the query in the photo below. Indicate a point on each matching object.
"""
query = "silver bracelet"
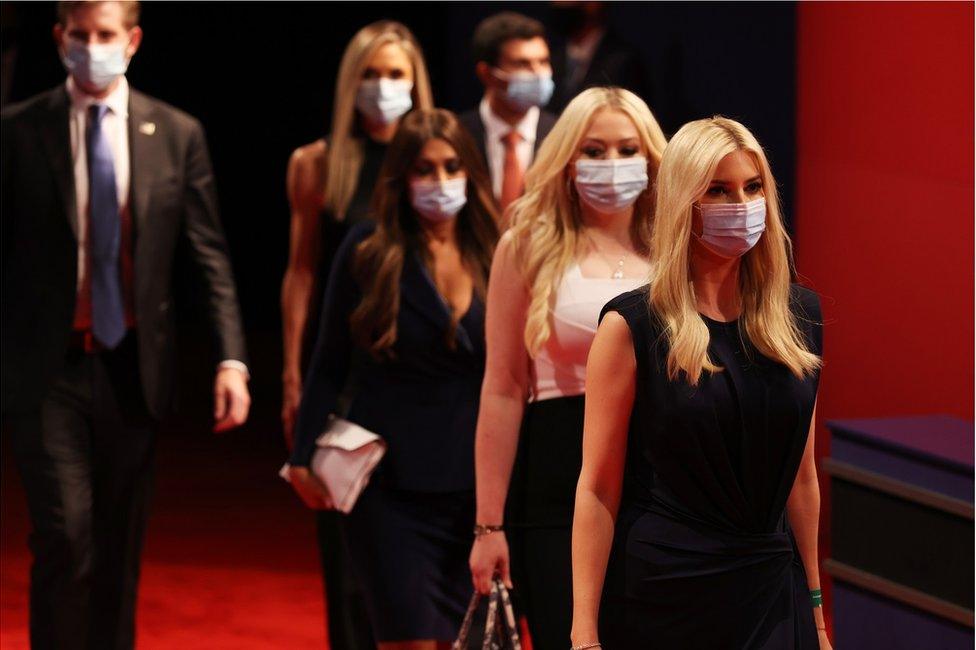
(587, 646)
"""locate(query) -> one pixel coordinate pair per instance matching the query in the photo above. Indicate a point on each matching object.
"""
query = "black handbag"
(489, 623)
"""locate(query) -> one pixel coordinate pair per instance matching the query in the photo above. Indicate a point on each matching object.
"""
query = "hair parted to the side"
(130, 10)
(545, 221)
(379, 259)
(687, 167)
(345, 149)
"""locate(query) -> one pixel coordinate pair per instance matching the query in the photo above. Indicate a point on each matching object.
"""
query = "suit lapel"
(420, 291)
(144, 156)
(546, 122)
(56, 136)
(479, 137)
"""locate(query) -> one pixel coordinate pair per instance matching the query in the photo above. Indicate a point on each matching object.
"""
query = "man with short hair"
(512, 62)
(99, 182)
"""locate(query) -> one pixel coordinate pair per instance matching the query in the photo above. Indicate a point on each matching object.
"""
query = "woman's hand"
(309, 488)
(824, 641)
(489, 557)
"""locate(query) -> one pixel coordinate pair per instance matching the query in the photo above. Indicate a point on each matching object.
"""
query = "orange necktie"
(512, 172)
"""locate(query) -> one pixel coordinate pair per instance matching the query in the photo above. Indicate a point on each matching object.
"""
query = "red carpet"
(230, 558)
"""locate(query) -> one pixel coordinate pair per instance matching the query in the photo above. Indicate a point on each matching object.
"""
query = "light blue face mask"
(611, 185)
(95, 66)
(384, 101)
(526, 89)
(439, 200)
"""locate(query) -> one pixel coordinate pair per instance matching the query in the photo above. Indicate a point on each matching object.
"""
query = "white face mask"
(95, 66)
(732, 229)
(384, 100)
(527, 89)
(611, 185)
(439, 200)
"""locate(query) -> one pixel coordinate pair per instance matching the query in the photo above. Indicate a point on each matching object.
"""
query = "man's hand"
(232, 401)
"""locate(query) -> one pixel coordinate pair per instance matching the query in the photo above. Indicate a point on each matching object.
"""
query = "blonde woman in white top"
(579, 237)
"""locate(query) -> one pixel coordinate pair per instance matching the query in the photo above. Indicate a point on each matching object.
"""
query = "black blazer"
(471, 120)
(172, 195)
(615, 63)
(423, 401)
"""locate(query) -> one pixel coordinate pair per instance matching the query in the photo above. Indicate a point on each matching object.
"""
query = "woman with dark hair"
(409, 290)
(381, 76)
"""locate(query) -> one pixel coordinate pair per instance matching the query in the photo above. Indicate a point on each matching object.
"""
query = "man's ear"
(58, 34)
(135, 39)
(483, 71)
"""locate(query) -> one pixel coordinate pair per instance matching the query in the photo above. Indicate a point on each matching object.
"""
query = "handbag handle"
(498, 599)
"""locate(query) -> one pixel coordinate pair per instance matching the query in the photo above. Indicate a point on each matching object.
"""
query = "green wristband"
(816, 597)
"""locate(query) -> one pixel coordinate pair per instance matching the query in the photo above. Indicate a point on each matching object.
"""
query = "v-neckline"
(440, 297)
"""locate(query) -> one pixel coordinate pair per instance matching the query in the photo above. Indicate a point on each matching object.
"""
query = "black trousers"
(85, 458)
(349, 627)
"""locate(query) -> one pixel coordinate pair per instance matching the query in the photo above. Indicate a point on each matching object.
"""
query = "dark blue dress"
(703, 554)
(409, 534)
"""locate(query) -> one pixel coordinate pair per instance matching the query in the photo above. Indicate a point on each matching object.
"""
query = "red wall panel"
(884, 204)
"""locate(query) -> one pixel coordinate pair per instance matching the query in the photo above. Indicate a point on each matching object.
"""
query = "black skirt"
(410, 549)
(542, 492)
(539, 517)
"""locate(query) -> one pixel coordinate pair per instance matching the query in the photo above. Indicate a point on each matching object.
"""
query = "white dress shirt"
(495, 130)
(115, 126)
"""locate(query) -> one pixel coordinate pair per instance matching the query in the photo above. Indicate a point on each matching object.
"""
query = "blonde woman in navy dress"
(698, 440)
(580, 236)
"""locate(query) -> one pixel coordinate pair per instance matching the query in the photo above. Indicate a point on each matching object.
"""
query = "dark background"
(260, 76)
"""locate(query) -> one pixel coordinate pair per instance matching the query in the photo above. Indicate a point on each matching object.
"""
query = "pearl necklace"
(618, 273)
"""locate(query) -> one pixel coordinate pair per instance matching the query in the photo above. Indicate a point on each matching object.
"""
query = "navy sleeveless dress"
(703, 555)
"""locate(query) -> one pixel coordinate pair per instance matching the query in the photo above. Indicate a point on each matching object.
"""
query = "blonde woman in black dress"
(707, 377)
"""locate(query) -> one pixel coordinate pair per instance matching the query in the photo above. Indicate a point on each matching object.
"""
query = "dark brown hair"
(379, 259)
(492, 32)
(130, 11)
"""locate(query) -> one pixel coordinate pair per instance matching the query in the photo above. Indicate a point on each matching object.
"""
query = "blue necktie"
(105, 234)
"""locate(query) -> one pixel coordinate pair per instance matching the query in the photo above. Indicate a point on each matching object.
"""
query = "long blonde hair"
(687, 167)
(546, 221)
(345, 150)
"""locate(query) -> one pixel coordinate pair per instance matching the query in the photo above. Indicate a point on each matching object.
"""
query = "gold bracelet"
(484, 529)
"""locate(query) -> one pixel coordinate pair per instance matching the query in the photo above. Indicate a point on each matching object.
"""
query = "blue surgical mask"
(527, 89)
(384, 101)
(732, 229)
(611, 185)
(95, 66)
(439, 200)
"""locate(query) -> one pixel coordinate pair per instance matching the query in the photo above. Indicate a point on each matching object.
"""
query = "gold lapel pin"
(147, 128)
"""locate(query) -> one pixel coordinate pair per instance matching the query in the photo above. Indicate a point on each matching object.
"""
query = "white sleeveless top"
(559, 368)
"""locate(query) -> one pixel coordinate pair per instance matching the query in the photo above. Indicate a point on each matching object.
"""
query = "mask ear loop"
(696, 205)
(574, 202)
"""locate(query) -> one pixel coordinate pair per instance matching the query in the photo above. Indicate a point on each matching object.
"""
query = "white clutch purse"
(345, 458)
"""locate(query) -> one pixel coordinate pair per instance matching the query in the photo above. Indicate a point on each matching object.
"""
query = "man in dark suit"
(586, 52)
(512, 62)
(99, 182)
